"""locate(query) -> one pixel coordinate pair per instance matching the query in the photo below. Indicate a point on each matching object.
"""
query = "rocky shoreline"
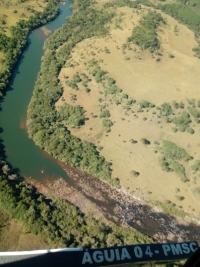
(108, 204)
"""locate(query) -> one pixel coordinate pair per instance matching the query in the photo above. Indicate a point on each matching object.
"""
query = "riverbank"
(97, 198)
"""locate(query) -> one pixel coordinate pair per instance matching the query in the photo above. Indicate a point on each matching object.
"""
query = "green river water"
(21, 152)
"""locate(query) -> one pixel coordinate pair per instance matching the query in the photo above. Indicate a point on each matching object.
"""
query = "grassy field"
(14, 237)
(167, 75)
(13, 10)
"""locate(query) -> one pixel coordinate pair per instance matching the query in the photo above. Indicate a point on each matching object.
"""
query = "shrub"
(179, 169)
(177, 105)
(196, 166)
(99, 75)
(191, 102)
(72, 96)
(145, 141)
(171, 56)
(169, 120)
(133, 141)
(110, 81)
(190, 130)
(194, 112)
(72, 84)
(134, 173)
(125, 96)
(166, 109)
(177, 190)
(84, 78)
(113, 89)
(156, 143)
(77, 78)
(174, 129)
(183, 121)
(172, 151)
(87, 90)
(130, 102)
(104, 114)
(107, 123)
(165, 165)
(180, 198)
(146, 104)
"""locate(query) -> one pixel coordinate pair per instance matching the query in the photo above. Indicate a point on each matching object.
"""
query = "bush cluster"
(183, 121)
(145, 34)
(146, 104)
(172, 157)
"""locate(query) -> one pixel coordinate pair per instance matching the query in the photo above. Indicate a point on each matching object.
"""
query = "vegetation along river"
(32, 162)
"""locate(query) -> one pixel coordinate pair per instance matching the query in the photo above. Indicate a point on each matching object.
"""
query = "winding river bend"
(32, 162)
(21, 152)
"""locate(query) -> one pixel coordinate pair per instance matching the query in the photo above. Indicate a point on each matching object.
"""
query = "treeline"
(13, 46)
(58, 222)
(186, 15)
(129, 3)
(43, 119)
(183, 14)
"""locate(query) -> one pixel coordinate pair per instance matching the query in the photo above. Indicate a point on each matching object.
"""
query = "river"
(20, 150)
(32, 162)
